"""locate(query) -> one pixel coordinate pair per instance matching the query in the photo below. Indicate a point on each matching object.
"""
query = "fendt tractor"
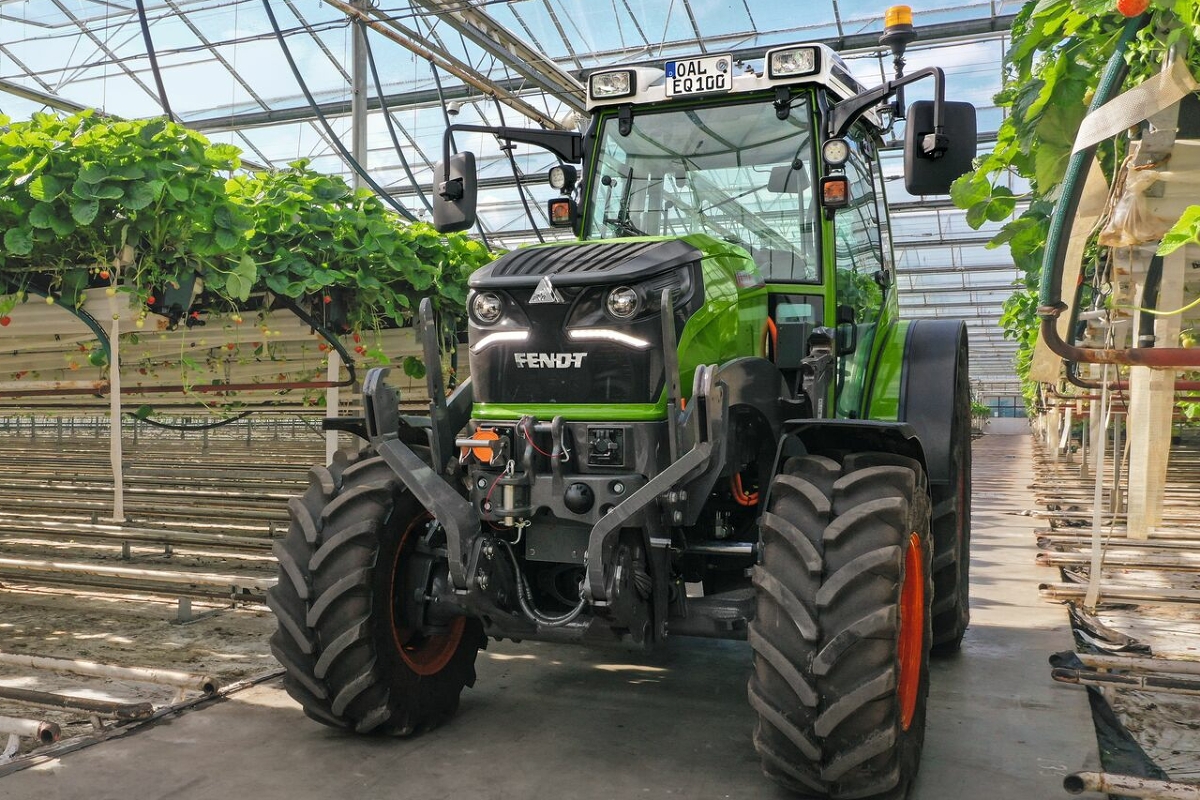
(703, 418)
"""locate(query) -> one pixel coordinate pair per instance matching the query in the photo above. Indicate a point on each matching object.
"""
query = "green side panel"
(733, 319)
(573, 412)
(885, 386)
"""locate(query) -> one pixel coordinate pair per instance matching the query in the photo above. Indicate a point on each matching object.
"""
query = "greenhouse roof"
(225, 71)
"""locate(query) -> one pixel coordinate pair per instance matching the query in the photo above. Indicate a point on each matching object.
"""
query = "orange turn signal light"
(835, 191)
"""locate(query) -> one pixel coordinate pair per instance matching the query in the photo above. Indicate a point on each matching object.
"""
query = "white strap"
(1139, 103)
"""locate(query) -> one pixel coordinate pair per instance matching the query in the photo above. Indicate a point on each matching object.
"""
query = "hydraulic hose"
(525, 598)
(1111, 79)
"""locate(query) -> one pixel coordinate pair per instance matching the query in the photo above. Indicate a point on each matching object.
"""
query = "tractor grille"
(572, 260)
(590, 264)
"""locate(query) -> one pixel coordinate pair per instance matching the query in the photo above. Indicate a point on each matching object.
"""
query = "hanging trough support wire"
(158, 81)
(333, 137)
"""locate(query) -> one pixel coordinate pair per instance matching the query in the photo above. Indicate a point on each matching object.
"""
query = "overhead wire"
(158, 81)
(391, 125)
(334, 139)
(508, 151)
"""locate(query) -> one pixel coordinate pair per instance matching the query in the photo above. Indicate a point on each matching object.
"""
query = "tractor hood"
(586, 264)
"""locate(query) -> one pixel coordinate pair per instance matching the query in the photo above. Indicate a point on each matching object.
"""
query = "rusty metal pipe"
(44, 732)
(183, 680)
(1138, 663)
(1130, 786)
(103, 708)
(1134, 356)
(1138, 682)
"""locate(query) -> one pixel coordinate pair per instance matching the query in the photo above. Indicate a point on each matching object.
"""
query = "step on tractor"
(703, 418)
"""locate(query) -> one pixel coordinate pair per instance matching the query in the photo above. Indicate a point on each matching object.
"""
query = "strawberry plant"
(148, 207)
(1052, 69)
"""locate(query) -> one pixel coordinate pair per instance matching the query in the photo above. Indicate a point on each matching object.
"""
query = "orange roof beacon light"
(897, 34)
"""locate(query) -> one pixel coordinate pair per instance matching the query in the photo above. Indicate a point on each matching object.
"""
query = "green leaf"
(238, 287)
(144, 412)
(414, 367)
(62, 225)
(179, 190)
(109, 191)
(41, 215)
(226, 239)
(1185, 230)
(93, 172)
(139, 195)
(84, 211)
(45, 187)
(18, 241)
(970, 189)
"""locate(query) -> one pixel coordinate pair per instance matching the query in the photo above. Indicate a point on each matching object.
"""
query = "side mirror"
(924, 174)
(454, 198)
(787, 179)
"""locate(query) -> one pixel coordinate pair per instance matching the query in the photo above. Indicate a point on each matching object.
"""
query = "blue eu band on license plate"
(699, 75)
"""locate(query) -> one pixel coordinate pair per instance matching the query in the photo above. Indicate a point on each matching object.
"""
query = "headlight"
(487, 307)
(792, 62)
(607, 85)
(622, 302)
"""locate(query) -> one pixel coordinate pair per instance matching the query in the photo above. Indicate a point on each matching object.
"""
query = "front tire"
(842, 631)
(350, 662)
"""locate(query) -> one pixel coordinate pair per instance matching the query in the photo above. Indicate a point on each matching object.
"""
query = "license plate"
(699, 75)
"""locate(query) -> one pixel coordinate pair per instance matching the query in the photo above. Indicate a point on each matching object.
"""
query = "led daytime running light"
(607, 335)
(498, 337)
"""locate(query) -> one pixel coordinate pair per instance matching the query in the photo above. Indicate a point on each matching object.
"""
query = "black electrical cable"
(391, 126)
(158, 81)
(333, 137)
(167, 426)
(508, 150)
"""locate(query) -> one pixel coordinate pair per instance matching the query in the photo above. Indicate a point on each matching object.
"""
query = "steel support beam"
(527, 61)
(412, 41)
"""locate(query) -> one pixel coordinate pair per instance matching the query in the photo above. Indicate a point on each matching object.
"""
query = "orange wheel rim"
(912, 630)
(424, 654)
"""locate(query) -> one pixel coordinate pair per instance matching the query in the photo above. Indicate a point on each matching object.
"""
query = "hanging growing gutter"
(1051, 305)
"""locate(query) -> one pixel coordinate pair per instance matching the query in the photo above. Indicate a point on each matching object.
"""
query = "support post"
(358, 149)
(116, 453)
(1152, 394)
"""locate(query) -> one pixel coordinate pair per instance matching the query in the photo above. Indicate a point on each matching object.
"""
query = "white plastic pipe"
(1130, 786)
(183, 680)
(44, 732)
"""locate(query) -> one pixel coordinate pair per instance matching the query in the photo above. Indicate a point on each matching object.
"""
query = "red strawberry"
(328, 299)
(5, 320)
(150, 300)
(1132, 8)
(104, 274)
(357, 338)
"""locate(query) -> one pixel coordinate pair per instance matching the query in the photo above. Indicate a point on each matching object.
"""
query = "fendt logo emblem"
(546, 293)
(549, 360)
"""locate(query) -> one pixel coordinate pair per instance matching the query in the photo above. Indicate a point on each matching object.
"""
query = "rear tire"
(841, 635)
(951, 525)
(347, 662)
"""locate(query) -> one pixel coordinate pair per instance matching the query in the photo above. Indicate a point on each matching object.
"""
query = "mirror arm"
(843, 114)
(567, 145)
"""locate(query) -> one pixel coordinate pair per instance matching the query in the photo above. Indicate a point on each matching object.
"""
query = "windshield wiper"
(622, 223)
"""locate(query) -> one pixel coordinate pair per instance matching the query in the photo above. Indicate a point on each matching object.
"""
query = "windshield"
(736, 172)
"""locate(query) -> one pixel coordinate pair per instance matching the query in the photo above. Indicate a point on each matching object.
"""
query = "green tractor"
(704, 418)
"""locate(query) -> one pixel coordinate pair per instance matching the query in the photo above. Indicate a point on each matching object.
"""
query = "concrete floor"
(569, 723)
